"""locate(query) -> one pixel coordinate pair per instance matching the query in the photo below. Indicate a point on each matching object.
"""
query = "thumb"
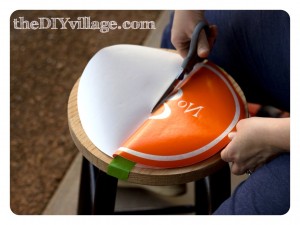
(225, 156)
(231, 135)
(203, 45)
(225, 153)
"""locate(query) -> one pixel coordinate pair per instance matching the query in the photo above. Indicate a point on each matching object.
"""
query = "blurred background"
(45, 65)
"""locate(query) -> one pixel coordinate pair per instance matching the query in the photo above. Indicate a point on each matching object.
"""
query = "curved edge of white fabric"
(204, 148)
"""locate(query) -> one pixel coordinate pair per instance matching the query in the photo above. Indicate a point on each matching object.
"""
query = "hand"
(183, 26)
(256, 141)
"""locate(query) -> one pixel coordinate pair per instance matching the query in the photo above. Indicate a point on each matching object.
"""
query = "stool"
(97, 193)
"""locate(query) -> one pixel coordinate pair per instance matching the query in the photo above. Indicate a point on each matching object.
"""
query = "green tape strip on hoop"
(120, 168)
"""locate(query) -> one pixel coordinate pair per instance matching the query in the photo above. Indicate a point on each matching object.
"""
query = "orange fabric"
(190, 127)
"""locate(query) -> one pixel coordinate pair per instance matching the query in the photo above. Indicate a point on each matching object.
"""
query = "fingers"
(231, 135)
(239, 163)
(205, 43)
(227, 154)
(238, 169)
(242, 168)
(181, 42)
(231, 154)
(181, 47)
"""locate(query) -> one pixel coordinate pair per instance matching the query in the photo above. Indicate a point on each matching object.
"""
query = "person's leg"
(265, 192)
(254, 48)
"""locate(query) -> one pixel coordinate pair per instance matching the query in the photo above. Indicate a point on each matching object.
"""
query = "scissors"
(187, 65)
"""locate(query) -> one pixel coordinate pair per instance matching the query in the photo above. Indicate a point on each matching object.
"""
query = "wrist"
(277, 133)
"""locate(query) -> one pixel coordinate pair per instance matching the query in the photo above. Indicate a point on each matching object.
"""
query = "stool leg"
(105, 194)
(97, 191)
(85, 189)
(212, 190)
(219, 187)
(201, 197)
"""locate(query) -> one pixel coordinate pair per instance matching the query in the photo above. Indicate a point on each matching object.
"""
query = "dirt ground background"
(44, 66)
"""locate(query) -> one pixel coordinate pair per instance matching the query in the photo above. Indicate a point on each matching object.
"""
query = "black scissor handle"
(192, 56)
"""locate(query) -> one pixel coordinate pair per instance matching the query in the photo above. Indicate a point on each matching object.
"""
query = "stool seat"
(98, 189)
(146, 176)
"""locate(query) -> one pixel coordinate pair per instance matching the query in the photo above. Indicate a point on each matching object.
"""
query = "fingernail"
(203, 52)
(231, 135)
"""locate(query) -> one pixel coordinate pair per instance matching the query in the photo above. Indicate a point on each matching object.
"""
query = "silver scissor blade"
(166, 95)
(181, 80)
(170, 90)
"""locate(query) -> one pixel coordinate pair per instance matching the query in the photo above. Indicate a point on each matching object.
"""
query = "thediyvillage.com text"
(81, 23)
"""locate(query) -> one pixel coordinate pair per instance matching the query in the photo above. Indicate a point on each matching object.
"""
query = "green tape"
(120, 168)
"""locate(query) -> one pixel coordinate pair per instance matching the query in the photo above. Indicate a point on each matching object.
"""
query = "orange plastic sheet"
(191, 126)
